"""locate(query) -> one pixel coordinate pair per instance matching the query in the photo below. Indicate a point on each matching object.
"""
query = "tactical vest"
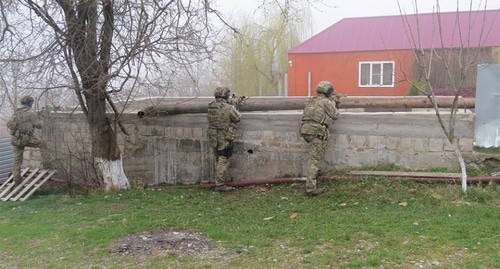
(220, 128)
(314, 120)
(314, 112)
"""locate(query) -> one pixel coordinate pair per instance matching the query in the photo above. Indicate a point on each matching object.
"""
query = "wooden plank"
(20, 186)
(7, 184)
(47, 177)
(10, 183)
(28, 186)
(406, 174)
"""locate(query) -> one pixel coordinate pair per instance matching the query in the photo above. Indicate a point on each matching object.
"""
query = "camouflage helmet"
(325, 87)
(27, 100)
(222, 92)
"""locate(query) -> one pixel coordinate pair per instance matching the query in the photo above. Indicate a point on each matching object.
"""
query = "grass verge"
(366, 223)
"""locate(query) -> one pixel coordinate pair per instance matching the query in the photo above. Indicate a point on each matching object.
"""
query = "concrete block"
(342, 140)
(187, 133)
(157, 131)
(292, 138)
(392, 142)
(252, 136)
(466, 144)
(147, 130)
(198, 133)
(435, 144)
(178, 132)
(374, 141)
(268, 135)
(421, 144)
(169, 132)
(358, 141)
(406, 144)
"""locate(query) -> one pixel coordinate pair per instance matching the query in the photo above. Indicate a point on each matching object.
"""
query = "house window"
(376, 74)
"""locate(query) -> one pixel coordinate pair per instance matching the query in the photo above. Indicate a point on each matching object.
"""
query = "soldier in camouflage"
(222, 119)
(22, 126)
(318, 114)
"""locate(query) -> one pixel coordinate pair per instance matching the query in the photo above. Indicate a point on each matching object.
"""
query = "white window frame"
(380, 76)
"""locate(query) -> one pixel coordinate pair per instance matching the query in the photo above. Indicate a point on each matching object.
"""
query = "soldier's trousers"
(221, 170)
(317, 147)
(18, 151)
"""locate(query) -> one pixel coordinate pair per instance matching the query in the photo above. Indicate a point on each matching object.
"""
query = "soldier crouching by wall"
(318, 114)
(22, 127)
(222, 119)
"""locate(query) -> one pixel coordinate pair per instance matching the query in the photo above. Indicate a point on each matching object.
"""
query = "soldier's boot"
(17, 183)
(315, 192)
(223, 188)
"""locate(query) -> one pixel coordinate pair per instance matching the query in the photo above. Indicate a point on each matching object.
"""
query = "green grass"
(492, 150)
(472, 171)
(367, 223)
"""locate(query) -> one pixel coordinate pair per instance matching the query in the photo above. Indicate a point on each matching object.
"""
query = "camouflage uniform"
(318, 114)
(222, 119)
(22, 126)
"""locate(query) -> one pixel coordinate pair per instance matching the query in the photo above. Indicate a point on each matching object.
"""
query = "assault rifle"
(336, 98)
(237, 101)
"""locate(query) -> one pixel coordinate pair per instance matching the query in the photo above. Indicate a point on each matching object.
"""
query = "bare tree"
(255, 62)
(106, 48)
(442, 66)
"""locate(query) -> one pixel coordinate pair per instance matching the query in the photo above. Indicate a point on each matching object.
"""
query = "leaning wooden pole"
(199, 105)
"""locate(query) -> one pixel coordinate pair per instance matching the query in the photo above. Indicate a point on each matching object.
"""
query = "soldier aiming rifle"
(319, 113)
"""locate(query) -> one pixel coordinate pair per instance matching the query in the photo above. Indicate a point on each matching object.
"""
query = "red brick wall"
(342, 69)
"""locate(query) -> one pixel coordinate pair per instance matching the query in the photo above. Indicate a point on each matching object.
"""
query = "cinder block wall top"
(174, 149)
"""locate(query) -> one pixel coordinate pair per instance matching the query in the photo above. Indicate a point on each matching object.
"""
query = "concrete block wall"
(174, 149)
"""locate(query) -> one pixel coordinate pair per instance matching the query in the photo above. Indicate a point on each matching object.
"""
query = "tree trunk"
(90, 38)
(112, 173)
(462, 165)
(107, 155)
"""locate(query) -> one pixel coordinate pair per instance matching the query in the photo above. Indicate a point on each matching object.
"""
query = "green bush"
(416, 87)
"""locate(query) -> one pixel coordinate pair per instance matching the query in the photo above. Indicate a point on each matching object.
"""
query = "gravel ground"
(178, 242)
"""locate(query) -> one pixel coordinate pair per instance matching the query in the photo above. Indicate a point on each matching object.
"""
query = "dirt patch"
(158, 243)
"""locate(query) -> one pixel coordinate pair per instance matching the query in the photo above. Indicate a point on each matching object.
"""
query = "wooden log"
(200, 105)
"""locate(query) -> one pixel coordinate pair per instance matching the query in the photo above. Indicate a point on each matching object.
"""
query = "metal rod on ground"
(429, 179)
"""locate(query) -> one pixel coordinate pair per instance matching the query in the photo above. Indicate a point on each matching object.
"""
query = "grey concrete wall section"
(173, 149)
(413, 140)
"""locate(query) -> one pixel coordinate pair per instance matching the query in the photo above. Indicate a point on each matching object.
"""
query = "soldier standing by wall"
(222, 119)
(318, 114)
(22, 126)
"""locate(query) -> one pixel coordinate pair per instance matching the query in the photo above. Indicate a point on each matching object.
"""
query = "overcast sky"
(358, 8)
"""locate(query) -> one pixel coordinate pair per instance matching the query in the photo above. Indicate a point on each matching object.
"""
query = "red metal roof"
(430, 30)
